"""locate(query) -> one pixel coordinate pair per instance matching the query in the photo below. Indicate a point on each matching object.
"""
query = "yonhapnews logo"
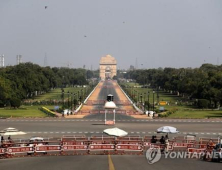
(153, 155)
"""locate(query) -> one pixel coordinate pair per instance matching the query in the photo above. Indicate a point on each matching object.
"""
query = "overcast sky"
(159, 33)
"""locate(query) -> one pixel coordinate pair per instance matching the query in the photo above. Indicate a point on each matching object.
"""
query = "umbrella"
(36, 139)
(115, 132)
(167, 129)
(12, 131)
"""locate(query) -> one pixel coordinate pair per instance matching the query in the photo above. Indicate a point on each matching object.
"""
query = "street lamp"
(78, 96)
(71, 100)
(153, 99)
(68, 99)
(81, 95)
(63, 98)
(157, 95)
(141, 98)
(148, 100)
(144, 97)
(74, 101)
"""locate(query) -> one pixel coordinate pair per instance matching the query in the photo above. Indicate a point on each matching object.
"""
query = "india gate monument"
(107, 67)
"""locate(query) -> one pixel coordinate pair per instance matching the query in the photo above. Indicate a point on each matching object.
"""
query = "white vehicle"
(150, 113)
(67, 112)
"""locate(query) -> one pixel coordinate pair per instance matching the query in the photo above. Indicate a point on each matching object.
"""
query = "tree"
(15, 102)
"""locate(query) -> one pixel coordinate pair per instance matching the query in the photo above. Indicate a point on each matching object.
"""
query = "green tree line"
(202, 84)
(27, 79)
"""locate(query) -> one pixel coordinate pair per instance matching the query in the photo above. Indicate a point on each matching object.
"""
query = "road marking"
(133, 120)
(111, 165)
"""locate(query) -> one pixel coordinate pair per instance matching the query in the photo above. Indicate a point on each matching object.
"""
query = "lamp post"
(153, 99)
(74, 101)
(71, 100)
(68, 99)
(148, 100)
(81, 95)
(78, 96)
(63, 97)
(138, 97)
(141, 98)
(144, 97)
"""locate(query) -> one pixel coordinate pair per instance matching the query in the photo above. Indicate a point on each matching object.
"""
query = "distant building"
(18, 59)
(132, 67)
(2, 61)
(108, 67)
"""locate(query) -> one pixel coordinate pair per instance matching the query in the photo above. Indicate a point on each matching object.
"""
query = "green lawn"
(24, 111)
(56, 94)
(139, 91)
(196, 114)
(184, 110)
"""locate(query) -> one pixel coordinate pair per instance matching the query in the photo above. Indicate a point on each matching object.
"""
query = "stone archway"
(107, 67)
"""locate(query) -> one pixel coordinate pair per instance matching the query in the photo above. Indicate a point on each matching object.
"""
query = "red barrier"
(14, 150)
(146, 143)
(75, 142)
(102, 147)
(135, 142)
(74, 147)
(192, 150)
(161, 146)
(188, 145)
(45, 148)
(2, 151)
(129, 147)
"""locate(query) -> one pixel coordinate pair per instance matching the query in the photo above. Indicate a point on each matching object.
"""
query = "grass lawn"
(184, 111)
(163, 96)
(56, 94)
(24, 111)
(196, 114)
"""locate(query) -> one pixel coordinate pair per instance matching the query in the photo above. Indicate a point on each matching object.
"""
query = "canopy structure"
(115, 132)
(12, 131)
(167, 129)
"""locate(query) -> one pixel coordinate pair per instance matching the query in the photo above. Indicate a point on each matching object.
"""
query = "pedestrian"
(166, 144)
(210, 144)
(153, 140)
(162, 140)
(9, 138)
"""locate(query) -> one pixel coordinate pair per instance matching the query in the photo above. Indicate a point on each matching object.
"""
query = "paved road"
(57, 127)
(101, 162)
(106, 89)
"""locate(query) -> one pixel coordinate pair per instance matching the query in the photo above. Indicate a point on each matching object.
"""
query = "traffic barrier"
(135, 142)
(75, 142)
(192, 150)
(74, 147)
(188, 145)
(2, 151)
(47, 148)
(105, 144)
(16, 150)
(129, 147)
(161, 146)
(101, 147)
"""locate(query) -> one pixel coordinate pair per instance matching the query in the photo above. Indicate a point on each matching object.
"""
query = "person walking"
(167, 143)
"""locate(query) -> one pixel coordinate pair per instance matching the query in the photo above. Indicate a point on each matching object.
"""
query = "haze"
(159, 33)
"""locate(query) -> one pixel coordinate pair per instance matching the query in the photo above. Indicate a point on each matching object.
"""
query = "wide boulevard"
(94, 125)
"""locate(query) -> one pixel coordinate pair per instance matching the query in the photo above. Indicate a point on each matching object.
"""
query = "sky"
(142, 33)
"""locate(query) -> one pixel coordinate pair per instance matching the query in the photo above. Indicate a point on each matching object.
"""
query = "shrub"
(203, 103)
(47, 111)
